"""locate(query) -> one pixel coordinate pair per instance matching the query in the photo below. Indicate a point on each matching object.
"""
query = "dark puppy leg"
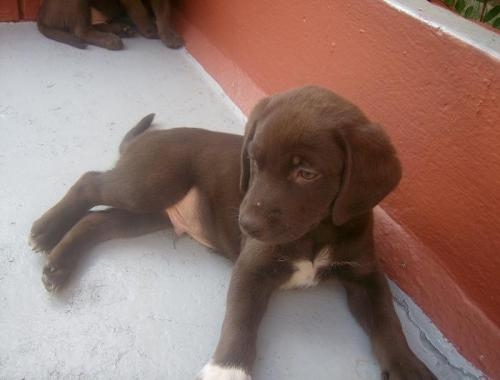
(162, 10)
(70, 22)
(57, 19)
(128, 186)
(140, 17)
(48, 230)
(96, 227)
(121, 188)
(84, 30)
(251, 286)
(370, 301)
(61, 36)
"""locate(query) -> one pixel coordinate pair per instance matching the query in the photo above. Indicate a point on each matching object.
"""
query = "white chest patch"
(213, 371)
(306, 271)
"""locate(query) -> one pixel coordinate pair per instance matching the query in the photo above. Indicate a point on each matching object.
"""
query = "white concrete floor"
(142, 308)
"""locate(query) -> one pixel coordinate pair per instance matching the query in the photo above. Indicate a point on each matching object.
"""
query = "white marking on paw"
(213, 371)
(306, 270)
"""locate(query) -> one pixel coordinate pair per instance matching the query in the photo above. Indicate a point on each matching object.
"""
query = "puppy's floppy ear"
(250, 127)
(371, 170)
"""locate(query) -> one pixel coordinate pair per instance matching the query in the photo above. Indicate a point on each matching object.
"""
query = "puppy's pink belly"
(185, 217)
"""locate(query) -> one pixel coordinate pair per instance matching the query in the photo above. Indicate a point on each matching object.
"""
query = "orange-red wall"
(439, 233)
(29, 9)
(15, 10)
(9, 10)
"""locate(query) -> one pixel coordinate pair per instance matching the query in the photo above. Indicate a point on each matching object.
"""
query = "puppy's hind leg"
(112, 188)
(51, 226)
(56, 20)
(81, 197)
(96, 227)
(61, 36)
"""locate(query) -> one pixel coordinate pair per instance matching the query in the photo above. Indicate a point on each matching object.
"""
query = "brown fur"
(69, 21)
(306, 176)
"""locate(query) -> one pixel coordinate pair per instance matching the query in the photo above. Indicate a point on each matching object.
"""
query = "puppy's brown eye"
(307, 174)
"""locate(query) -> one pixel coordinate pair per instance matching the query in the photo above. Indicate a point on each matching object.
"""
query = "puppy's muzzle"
(258, 221)
(251, 225)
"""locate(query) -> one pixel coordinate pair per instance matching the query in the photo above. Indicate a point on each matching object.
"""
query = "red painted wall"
(439, 233)
(15, 10)
(29, 9)
(9, 10)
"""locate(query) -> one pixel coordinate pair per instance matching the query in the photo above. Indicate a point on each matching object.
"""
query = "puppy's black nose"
(250, 226)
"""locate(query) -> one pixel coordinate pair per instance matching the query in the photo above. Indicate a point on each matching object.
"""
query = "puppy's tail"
(141, 126)
(60, 36)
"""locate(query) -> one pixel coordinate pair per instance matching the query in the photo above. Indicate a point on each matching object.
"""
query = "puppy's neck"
(325, 233)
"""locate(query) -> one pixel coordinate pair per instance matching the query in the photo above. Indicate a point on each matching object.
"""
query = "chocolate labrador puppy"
(305, 178)
(69, 22)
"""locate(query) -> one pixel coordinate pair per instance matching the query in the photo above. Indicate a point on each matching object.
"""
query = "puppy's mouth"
(270, 234)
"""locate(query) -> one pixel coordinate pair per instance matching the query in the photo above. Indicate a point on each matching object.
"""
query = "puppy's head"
(309, 154)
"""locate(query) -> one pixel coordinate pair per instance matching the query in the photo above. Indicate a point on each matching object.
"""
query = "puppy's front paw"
(54, 276)
(408, 370)
(148, 30)
(212, 371)
(113, 42)
(172, 40)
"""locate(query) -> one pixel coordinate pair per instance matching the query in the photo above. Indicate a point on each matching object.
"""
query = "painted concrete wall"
(15, 10)
(438, 98)
(9, 10)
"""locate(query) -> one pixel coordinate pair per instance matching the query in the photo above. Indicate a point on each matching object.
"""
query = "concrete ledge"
(474, 34)
(405, 258)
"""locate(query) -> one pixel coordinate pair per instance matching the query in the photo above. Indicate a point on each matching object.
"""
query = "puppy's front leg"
(248, 296)
(370, 301)
(162, 10)
(140, 17)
